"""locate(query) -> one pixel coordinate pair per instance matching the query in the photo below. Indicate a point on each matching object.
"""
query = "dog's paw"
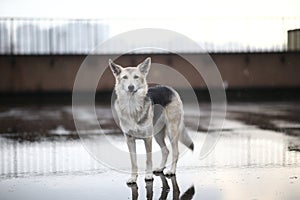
(131, 181)
(170, 173)
(158, 170)
(149, 177)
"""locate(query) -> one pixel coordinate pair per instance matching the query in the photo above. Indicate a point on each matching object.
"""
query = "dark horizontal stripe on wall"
(104, 97)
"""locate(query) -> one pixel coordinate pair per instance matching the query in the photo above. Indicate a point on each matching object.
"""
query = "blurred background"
(255, 45)
(42, 45)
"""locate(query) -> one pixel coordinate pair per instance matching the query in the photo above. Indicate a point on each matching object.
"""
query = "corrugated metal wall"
(75, 36)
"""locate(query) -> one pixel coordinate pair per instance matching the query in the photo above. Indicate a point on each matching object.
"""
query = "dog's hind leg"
(132, 150)
(174, 117)
(174, 137)
(160, 139)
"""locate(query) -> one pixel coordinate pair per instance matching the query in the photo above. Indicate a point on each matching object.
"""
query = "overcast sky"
(147, 9)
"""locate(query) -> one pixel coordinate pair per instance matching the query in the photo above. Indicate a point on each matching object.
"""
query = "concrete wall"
(239, 70)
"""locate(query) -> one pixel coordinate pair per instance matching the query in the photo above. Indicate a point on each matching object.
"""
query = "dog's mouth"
(133, 91)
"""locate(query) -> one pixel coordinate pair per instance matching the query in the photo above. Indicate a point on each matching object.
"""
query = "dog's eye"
(136, 77)
(125, 77)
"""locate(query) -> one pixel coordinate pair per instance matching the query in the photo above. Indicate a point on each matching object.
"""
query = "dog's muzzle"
(131, 88)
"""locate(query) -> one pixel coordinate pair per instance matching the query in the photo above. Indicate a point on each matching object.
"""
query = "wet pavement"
(256, 157)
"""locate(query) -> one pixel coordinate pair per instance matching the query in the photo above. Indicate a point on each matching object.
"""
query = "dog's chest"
(134, 116)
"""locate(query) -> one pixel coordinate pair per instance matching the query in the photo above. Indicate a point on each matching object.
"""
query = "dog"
(140, 108)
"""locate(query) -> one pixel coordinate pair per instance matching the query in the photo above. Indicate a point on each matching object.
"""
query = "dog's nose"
(130, 88)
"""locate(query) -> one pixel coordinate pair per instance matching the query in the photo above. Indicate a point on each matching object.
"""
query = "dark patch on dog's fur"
(161, 95)
(191, 147)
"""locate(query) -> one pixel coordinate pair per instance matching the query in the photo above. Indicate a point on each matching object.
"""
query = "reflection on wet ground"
(188, 194)
(257, 156)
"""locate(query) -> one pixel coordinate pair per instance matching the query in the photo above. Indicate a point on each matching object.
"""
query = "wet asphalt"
(255, 156)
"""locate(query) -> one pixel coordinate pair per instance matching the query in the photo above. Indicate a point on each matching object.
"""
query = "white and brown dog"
(137, 107)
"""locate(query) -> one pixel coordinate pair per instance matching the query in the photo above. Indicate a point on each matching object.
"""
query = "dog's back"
(161, 95)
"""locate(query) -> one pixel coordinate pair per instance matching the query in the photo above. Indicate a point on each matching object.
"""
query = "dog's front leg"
(132, 150)
(148, 146)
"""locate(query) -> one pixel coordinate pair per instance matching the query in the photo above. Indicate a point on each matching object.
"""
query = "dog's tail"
(184, 137)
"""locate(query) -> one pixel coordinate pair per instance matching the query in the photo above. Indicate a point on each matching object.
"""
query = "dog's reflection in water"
(187, 195)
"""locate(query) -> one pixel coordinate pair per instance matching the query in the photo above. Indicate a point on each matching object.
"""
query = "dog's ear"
(116, 69)
(144, 67)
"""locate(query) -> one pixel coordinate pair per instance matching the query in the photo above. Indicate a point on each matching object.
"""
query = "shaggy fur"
(144, 113)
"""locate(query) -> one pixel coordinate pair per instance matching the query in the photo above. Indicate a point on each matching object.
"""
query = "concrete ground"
(256, 156)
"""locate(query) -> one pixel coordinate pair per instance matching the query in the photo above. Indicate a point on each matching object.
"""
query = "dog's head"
(131, 80)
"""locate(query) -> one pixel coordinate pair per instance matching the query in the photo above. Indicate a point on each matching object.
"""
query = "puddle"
(41, 156)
